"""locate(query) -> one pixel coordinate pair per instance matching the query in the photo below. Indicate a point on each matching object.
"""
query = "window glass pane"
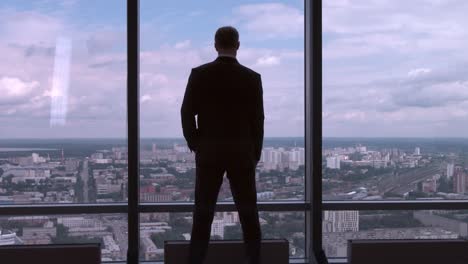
(109, 230)
(177, 36)
(156, 228)
(63, 103)
(341, 226)
(394, 104)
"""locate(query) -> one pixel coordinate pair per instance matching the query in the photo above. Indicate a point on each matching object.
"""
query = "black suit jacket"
(222, 113)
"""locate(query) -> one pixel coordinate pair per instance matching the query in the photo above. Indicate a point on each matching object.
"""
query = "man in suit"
(222, 120)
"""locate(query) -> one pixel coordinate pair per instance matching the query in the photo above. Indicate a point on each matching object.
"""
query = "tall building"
(341, 221)
(297, 155)
(272, 157)
(361, 149)
(35, 158)
(417, 151)
(38, 159)
(459, 181)
(450, 170)
(301, 156)
(333, 162)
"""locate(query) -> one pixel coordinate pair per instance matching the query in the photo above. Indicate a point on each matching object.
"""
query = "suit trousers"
(209, 178)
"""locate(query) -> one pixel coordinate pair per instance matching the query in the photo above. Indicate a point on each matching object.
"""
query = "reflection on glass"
(62, 136)
(60, 83)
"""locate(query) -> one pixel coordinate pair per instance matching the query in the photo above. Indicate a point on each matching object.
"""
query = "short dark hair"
(226, 37)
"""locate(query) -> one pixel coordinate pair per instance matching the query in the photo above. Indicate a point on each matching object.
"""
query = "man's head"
(227, 40)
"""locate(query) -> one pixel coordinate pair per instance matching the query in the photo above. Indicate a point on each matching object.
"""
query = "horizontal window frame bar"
(122, 208)
(395, 205)
(279, 206)
(186, 207)
(62, 209)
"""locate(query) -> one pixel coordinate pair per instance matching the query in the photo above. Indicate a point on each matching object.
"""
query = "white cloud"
(145, 98)
(271, 20)
(149, 79)
(183, 44)
(373, 53)
(171, 57)
(14, 87)
(268, 61)
(97, 94)
(418, 72)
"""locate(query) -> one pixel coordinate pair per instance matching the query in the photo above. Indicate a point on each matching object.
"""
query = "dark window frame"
(133, 208)
(312, 206)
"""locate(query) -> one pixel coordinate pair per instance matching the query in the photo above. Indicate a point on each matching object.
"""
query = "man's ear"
(216, 47)
(238, 45)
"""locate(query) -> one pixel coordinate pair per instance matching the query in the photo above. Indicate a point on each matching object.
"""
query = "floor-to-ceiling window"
(394, 120)
(63, 121)
(177, 36)
(64, 157)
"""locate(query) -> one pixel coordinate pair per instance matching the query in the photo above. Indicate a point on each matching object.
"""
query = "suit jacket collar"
(226, 59)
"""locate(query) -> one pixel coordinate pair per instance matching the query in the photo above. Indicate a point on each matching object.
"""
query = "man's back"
(227, 99)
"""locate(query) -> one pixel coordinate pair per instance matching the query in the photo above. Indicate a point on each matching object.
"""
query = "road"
(406, 182)
(119, 228)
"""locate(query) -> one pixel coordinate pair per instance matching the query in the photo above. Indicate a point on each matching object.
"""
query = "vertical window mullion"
(313, 127)
(133, 128)
(316, 68)
(307, 128)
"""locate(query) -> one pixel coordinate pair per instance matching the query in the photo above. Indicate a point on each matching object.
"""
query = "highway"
(406, 182)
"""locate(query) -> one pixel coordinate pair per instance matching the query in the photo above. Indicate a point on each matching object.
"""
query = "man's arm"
(188, 112)
(258, 118)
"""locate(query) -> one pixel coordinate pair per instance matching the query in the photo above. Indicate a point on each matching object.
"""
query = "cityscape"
(393, 169)
(394, 119)
(95, 171)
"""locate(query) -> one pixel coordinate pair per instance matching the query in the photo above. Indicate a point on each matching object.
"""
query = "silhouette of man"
(222, 120)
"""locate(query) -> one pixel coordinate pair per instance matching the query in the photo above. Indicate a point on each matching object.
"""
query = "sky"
(391, 68)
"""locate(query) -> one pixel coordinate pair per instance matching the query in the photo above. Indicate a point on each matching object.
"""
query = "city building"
(450, 170)
(459, 181)
(78, 221)
(217, 228)
(7, 238)
(333, 162)
(341, 221)
(417, 151)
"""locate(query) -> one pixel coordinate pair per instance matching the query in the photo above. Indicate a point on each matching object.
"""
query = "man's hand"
(188, 113)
